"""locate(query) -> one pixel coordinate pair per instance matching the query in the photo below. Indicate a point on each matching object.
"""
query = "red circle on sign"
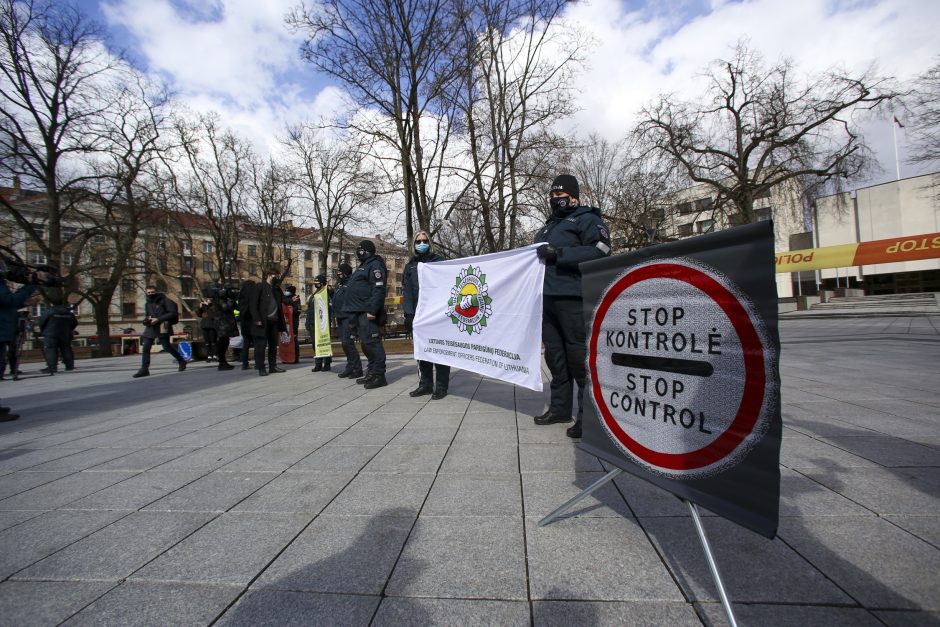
(752, 398)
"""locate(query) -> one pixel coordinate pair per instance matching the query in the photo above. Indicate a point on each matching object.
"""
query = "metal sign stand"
(696, 520)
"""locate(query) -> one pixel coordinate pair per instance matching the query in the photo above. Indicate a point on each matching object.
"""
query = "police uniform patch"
(377, 274)
(603, 233)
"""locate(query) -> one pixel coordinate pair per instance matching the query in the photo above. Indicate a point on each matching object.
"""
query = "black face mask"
(362, 254)
(560, 205)
(276, 280)
(317, 285)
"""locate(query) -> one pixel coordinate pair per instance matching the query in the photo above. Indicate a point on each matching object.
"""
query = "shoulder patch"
(602, 231)
(377, 273)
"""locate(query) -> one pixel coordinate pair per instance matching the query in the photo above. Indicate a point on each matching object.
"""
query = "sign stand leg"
(587, 492)
(711, 563)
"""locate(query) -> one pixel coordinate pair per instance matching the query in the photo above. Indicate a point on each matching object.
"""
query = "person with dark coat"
(573, 234)
(364, 306)
(423, 253)
(9, 303)
(353, 369)
(161, 314)
(220, 311)
(244, 320)
(267, 320)
(292, 300)
(57, 325)
(320, 364)
(207, 323)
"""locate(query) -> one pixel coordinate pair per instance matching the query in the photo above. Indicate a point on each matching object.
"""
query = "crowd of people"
(258, 313)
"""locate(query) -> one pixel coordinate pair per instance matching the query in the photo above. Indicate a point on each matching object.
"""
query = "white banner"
(483, 314)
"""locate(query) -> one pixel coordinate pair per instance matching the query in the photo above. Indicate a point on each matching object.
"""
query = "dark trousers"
(147, 343)
(265, 341)
(427, 370)
(564, 337)
(353, 362)
(371, 339)
(247, 341)
(55, 347)
(221, 348)
(296, 341)
(211, 336)
(7, 349)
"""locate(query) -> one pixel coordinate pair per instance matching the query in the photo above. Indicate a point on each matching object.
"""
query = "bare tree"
(53, 67)
(394, 56)
(270, 213)
(210, 177)
(515, 83)
(756, 128)
(923, 125)
(333, 182)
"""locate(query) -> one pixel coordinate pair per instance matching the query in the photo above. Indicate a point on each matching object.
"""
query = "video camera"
(214, 291)
(14, 269)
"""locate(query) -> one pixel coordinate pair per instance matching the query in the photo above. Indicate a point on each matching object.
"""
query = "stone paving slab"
(224, 498)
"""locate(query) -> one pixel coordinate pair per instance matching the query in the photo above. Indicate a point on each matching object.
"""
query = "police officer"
(353, 369)
(365, 308)
(573, 234)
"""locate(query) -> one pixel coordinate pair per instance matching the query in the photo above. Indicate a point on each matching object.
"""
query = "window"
(398, 276)
(69, 233)
(335, 258)
(308, 288)
(207, 266)
(207, 248)
(308, 255)
(704, 226)
(40, 230)
(187, 265)
(36, 258)
(685, 208)
(98, 238)
(128, 286)
(764, 213)
(398, 291)
(187, 287)
(684, 230)
(187, 247)
(161, 264)
(161, 243)
(68, 259)
(703, 204)
(252, 269)
(252, 251)
(129, 309)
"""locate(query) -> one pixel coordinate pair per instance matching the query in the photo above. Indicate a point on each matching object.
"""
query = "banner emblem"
(469, 304)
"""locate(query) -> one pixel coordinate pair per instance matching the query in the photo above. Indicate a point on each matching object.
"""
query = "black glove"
(548, 254)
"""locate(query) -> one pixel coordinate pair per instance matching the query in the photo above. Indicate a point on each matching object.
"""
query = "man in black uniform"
(573, 234)
(162, 313)
(364, 307)
(57, 325)
(353, 369)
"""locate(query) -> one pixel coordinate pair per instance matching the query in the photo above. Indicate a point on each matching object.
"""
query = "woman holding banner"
(422, 254)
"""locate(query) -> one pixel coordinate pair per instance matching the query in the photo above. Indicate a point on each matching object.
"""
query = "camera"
(15, 270)
(216, 292)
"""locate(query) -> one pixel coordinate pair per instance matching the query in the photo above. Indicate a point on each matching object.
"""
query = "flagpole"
(897, 161)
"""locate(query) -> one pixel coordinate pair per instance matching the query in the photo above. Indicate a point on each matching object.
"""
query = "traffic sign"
(683, 371)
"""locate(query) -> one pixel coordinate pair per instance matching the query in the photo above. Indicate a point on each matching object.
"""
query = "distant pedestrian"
(57, 325)
(9, 303)
(244, 320)
(423, 253)
(321, 288)
(292, 300)
(161, 314)
(267, 320)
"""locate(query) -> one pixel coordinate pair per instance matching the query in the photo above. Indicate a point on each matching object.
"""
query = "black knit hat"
(568, 184)
(345, 268)
(320, 278)
(367, 246)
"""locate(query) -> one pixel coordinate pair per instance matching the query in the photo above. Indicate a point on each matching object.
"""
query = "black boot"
(143, 372)
(364, 379)
(439, 393)
(550, 418)
(224, 365)
(377, 381)
(423, 389)
(317, 368)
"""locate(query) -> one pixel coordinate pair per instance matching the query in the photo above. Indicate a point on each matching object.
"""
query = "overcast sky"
(238, 58)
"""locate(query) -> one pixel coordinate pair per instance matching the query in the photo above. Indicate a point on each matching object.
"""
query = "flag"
(321, 324)
(483, 314)
(898, 122)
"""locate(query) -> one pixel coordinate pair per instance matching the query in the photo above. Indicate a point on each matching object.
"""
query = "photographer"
(57, 326)
(207, 322)
(162, 313)
(9, 303)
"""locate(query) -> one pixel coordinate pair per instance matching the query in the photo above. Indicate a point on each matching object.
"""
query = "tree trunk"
(103, 328)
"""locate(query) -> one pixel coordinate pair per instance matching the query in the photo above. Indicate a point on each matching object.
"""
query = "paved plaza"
(227, 498)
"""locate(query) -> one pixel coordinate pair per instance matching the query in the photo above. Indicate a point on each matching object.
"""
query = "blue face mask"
(422, 247)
